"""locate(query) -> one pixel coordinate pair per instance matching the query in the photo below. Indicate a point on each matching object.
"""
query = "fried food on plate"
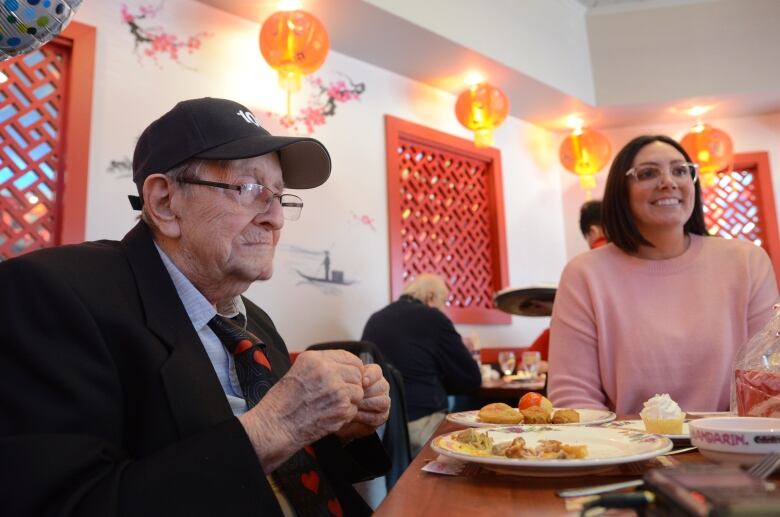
(516, 449)
(565, 416)
(500, 413)
(576, 452)
(544, 450)
(535, 415)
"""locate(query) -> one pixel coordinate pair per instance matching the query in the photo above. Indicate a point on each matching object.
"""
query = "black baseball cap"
(220, 129)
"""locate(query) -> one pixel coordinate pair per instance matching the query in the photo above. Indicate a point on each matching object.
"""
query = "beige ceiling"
(616, 62)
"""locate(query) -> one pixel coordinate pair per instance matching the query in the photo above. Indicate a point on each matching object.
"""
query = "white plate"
(606, 447)
(587, 417)
(638, 425)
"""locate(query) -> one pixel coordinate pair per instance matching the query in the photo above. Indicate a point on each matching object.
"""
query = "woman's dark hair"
(619, 224)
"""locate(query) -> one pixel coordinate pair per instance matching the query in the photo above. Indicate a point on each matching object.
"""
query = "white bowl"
(737, 439)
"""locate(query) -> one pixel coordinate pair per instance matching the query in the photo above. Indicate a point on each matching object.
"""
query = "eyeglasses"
(681, 172)
(258, 197)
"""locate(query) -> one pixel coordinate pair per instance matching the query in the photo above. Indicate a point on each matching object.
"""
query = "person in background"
(593, 232)
(590, 224)
(663, 307)
(418, 339)
(137, 380)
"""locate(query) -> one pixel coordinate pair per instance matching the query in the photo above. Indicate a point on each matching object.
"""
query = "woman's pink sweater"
(624, 328)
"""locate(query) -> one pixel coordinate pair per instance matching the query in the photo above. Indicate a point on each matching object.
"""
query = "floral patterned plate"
(587, 417)
(606, 447)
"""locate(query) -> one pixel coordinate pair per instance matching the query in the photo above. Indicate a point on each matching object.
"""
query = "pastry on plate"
(535, 415)
(565, 416)
(500, 413)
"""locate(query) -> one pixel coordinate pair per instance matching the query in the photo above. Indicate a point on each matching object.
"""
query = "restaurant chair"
(395, 433)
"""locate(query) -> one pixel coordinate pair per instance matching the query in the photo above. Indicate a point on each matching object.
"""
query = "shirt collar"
(198, 308)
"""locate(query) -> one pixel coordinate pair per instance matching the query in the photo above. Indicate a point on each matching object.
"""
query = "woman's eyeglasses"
(258, 197)
(681, 171)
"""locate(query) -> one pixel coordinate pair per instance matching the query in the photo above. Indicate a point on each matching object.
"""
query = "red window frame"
(759, 162)
(397, 129)
(77, 129)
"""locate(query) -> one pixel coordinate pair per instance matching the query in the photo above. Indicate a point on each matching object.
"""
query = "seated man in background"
(593, 232)
(590, 224)
(418, 339)
(136, 378)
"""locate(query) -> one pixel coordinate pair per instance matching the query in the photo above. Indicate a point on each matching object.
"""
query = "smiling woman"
(654, 198)
(655, 311)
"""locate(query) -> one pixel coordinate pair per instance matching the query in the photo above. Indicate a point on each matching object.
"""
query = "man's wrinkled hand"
(373, 410)
(320, 394)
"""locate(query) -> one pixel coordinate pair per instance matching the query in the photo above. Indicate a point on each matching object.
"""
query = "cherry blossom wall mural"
(154, 42)
(322, 102)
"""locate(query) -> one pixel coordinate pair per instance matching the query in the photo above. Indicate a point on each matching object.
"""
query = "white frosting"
(661, 407)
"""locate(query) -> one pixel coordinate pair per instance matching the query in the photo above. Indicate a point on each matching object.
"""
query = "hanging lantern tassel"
(584, 153)
(712, 149)
(294, 43)
(482, 108)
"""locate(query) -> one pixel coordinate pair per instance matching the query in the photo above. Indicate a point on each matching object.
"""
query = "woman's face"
(664, 203)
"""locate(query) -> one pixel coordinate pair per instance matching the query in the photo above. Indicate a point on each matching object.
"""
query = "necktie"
(300, 477)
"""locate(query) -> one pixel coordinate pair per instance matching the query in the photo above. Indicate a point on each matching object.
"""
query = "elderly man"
(416, 336)
(138, 381)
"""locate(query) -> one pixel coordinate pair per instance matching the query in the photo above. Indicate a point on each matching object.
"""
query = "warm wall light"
(289, 5)
(584, 153)
(473, 77)
(482, 108)
(698, 111)
(294, 43)
(711, 148)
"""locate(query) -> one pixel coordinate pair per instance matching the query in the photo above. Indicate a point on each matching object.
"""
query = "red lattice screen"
(741, 204)
(731, 207)
(446, 216)
(31, 118)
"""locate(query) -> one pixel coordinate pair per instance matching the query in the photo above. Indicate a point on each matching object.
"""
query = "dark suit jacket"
(109, 404)
(423, 344)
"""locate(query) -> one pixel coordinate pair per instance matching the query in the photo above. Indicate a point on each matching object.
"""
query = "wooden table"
(423, 493)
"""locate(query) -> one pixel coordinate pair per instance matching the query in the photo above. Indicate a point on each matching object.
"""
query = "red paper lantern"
(584, 153)
(294, 43)
(482, 108)
(711, 148)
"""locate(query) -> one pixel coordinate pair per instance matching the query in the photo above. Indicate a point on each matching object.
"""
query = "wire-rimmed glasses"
(258, 197)
(650, 172)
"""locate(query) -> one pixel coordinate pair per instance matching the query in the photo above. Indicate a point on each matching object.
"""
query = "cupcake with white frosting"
(662, 415)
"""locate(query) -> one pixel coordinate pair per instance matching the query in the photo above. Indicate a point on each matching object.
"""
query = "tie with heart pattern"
(300, 477)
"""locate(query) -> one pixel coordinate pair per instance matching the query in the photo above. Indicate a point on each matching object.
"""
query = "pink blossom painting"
(154, 42)
(364, 219)
(320, 105)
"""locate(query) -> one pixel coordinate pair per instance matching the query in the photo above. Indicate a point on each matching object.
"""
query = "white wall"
(749, 134)
(130, 92)
(719, 47)
(544, 39)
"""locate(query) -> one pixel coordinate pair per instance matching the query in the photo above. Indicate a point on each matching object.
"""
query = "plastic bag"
(755, 388)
